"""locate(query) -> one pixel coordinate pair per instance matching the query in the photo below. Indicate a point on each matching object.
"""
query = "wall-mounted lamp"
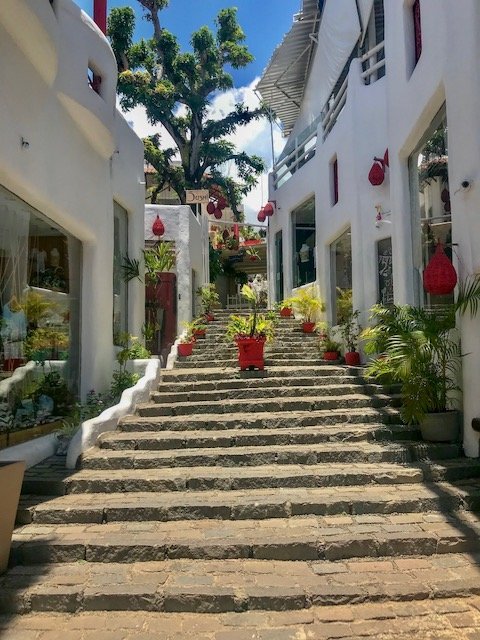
(24, 143)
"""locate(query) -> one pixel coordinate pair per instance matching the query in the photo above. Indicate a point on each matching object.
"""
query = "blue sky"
(264, 22)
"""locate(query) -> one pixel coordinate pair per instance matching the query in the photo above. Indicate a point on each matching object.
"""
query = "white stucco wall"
(81, 154)
(394, 113)
(183, 228)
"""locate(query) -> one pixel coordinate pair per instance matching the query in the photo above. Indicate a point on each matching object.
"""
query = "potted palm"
(250, 333)
(329, 348)
(307, 303)
(199, 328)
(350, 331)
(285, 308)
(420, 349)
(209, 299)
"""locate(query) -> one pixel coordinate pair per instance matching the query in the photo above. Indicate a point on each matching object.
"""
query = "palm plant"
(254, 325)
(307, 303)
(209, 297)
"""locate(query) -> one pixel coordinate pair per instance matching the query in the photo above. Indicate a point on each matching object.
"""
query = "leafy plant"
(54, 386)
(131, 349)
(37, 307)
(326, 341)
(350, 331)
(344, 305)
(209, 297)
(158, 259)
(254, 325)
(306, 303)
(130, 268)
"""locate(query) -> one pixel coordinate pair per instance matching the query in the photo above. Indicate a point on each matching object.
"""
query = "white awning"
(365, 7)
(338, 34)
(283, 82)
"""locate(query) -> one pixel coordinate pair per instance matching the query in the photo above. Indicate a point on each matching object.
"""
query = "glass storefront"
(120, 289)
(303, 227)
(341, 277)
(39, 314)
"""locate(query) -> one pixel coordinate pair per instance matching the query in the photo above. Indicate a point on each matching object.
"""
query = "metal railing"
(373, 64)
(295, 160)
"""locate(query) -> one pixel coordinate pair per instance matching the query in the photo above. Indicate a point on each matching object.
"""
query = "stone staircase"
(292, 488)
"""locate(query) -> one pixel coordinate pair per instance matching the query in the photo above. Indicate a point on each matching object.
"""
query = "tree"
(176, 89)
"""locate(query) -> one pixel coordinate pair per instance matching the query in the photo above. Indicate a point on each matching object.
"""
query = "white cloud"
(254, 138)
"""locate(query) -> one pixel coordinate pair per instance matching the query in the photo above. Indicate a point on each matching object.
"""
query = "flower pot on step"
(185, 349)
(200, 333)
(331, 355)
(352, 358)
(286, 312)
(209, 317)
(11, 478)
(308, 327)
(250, 353)
(440, 427)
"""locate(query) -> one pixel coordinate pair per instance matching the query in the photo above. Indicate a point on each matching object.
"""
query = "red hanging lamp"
(217, 213)
(211, 208)
(439, 277)
(261, 215)
(158, 228)
(376, 175)
(268, 209)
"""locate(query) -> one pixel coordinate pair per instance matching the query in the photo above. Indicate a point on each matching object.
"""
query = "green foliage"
(254, 325)
(130, 268)
(37, 307)
(46, 340)
(350, 331)
(158, 259)
(306, 303)
(176, 89)
(209, 297)
(131, 349)
(54, 386)
(121, 380)
(326, 341)
(344, 305)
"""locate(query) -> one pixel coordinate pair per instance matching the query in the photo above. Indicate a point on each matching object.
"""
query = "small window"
(417, 30)
(94, 80)
(334, 181)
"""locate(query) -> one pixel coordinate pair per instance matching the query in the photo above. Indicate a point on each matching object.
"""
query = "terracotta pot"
(250, 353)
(200, 333)
(352, 358)
(331, 355)
(11, 477)
(286, 312)
(185, 349)
(308, 327)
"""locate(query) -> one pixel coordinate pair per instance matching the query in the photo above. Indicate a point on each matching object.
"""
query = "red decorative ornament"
(218, 213)
(439, 277)
(222, 203)
(386, 159)
(158, 228)
(268, 209)
(377, 174)
(261, 215)
(225, 234)
(236, 231)
(211, 208)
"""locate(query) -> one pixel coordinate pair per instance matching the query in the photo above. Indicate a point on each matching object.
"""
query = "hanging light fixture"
(217, 213)
(211, 208)
(439, 277)
(268, 209)
(261, 215)
(158, 228)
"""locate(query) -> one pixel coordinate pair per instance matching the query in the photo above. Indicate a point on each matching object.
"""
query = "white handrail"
(371, 52)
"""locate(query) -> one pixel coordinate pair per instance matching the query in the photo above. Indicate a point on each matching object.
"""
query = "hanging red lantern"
(225, 234)
(218, 213)
(268, 209)
(439, 277)
(158, 228)
(261, 215)
(211, 208)
(222, 203)
(377, 174)
(386, 159)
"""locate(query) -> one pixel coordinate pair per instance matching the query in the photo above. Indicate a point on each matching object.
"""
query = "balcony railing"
(303, 151)
(373, 64)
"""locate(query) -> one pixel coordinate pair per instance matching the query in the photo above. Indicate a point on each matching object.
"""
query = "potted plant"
(307, 303)
(209, 299)
(250, 333)
(420, 349)
(350, 331)
(285, 308)
(329, 348)
(11, 478)
(199, 328)
(187, 340)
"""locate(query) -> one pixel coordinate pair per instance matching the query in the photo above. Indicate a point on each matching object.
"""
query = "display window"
(303, 227)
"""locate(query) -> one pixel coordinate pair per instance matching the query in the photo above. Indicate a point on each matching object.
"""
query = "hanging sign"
(197, 196)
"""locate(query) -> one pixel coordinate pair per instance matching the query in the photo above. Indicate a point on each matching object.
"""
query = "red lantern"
(439, 277)
(386, 160)
(268, 209)
(218, 213)
(222, 203)
(158, 228)
(211, 208)
(261, 215)
(377, 174)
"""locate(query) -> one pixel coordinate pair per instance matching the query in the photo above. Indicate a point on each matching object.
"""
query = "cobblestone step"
(319, 453)
(166, 439)
(162, 397)
(228, 373)
(268, 476)
(256, 504)
(212, 586)
(187, 362)
(248, 405)
(437, 619)
(332, 538)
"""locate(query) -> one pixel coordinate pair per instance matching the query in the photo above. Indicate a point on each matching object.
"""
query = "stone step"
(261, 392)
(187, 362)
(256, 504)
(330, 538)
(262, 420)
(162, 440)
(268, 476)
(230, 373)
(248, 405)
(239, 585)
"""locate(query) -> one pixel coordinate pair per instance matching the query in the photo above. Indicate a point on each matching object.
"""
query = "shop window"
(385, 271)
(417, 29)
(432, 217)
(334, 181)
(39, 317)
(341, 277)
(120, 288)
(303, 227)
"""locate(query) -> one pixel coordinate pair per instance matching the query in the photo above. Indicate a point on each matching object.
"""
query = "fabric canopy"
(365, 7)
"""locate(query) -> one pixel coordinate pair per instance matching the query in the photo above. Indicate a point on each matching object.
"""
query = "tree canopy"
(176, 89)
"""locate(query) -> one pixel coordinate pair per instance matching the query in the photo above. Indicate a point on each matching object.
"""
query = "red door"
(161, 311)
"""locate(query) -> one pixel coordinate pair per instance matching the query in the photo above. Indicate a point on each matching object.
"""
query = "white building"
(71, 193)
(352, 79)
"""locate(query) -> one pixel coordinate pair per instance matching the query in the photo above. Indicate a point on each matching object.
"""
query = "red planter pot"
(331, 355)
(352, 358)
(200, 333)
(185, 349)
(209, 317)
(250, 353)
(308, 327)
(286, 312)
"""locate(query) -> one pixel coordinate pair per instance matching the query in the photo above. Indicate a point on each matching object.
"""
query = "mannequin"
(304, 263)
